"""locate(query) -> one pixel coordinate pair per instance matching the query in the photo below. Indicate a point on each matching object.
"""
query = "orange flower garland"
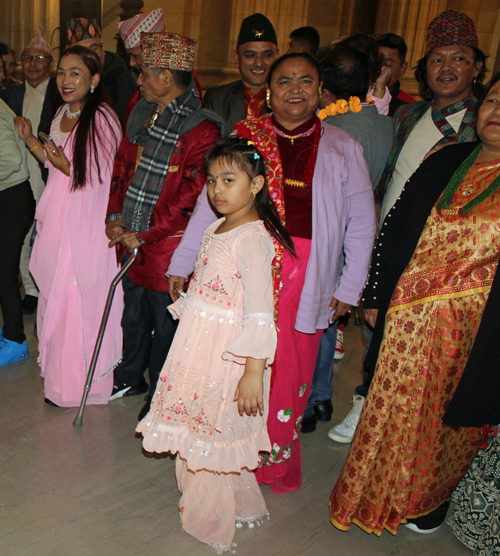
(342, 106)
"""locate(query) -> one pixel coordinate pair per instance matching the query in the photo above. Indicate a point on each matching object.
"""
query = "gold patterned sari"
(404, 461)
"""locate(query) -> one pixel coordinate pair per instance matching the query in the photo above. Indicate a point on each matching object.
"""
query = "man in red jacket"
(157, 178)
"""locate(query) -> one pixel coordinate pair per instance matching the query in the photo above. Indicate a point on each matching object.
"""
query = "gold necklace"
(293, 137)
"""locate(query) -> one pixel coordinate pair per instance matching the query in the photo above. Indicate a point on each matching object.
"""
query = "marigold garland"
(342, 106)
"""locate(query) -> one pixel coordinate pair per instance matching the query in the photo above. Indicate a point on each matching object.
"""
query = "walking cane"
(78, 422)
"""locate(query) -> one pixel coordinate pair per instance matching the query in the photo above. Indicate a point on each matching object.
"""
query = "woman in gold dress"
(435, 300)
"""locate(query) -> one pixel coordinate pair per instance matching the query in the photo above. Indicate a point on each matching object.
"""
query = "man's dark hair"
(368, 46)
(344, 72)
(4, 49)
(477, 86)
(391, 40)
(181, 78)
(308, 36)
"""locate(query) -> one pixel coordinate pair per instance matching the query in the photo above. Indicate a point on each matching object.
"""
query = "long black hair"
(87, 136)
(424, 90)
(243, 154)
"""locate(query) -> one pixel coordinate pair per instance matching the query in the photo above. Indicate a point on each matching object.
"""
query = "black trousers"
(17, 211)
(148, 331)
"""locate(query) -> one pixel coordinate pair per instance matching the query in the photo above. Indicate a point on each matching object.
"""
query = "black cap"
(256, 28)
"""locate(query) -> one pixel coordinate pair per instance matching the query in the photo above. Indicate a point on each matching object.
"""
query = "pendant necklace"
(293, 137)
(154, 116)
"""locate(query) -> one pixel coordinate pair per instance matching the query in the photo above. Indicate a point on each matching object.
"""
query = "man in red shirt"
(256, 50)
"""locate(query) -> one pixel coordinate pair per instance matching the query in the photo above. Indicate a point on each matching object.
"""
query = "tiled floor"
(93, 492)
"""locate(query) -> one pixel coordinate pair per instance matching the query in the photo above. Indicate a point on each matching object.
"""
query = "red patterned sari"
(404, 461)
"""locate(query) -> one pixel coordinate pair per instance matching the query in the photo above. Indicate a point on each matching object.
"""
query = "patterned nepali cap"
(131, 29)
(168, 51)
(450, 28)
(82, 29)
(40, 42)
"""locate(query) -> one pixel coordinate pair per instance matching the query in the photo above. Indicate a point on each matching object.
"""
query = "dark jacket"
(229, 102)
(475, 402)
(15, 98)
(119, 82)
(399, 98)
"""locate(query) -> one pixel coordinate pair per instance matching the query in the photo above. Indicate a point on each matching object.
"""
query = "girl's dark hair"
(277, 63)
(238, 151)
(477, 87)
(87, 136)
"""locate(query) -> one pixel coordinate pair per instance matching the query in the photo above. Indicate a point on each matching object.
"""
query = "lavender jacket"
(343, 216)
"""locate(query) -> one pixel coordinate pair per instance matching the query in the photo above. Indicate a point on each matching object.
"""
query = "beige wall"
(215, 23)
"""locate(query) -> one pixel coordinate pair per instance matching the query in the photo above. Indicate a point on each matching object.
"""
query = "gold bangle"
(36, 146)
(379, 89)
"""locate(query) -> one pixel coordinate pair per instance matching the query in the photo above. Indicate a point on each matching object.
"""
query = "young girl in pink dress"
(211, 403)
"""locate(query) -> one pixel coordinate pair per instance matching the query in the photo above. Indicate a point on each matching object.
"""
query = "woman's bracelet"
(379, 88)
(38, 143)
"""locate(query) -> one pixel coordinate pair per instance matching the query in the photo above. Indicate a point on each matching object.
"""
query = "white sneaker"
(344, 431)
(417, 529)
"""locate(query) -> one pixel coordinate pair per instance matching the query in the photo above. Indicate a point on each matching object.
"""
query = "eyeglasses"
(35, 57)
(96, 47)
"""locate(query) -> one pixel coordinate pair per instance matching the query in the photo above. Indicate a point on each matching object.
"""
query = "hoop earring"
(253, 195)
(268, 98)
(92, 89)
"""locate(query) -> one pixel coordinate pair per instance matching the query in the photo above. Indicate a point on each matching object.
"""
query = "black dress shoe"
(30, 303)
(309, 424)
(120, 389)
(50, 402)
(145, 410)
(323, 410)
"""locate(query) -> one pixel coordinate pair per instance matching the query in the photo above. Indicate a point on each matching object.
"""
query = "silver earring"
(92, 89)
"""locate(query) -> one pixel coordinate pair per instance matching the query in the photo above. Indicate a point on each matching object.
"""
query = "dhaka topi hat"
(131, 29)
(450, 28)
(40, 42)
(82, 29)
(256, 28)
(168, 51)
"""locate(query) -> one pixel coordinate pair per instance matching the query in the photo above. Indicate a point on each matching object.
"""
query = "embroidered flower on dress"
(284, 415)
(302, 390)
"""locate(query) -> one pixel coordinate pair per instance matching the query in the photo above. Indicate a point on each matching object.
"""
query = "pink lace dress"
(225, 317)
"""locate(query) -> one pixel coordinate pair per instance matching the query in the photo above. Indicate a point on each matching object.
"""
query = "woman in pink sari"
(71, 262)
